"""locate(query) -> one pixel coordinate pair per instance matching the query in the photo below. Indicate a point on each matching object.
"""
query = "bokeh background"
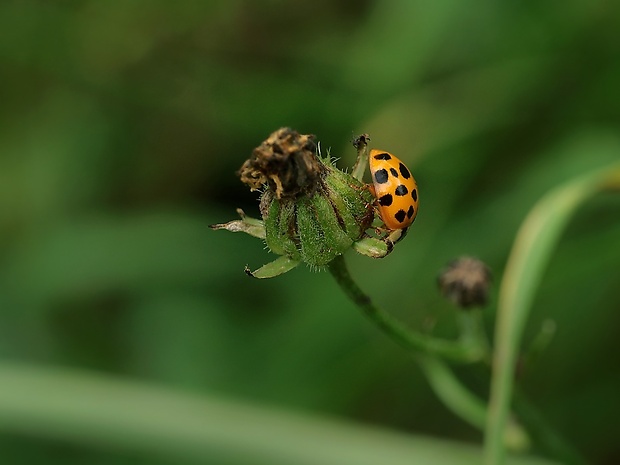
(122, 124)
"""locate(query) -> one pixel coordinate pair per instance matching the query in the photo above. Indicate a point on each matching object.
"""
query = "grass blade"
(102, 411)
(530, 254)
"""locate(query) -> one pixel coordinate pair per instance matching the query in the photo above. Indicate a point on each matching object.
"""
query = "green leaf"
(275, 268)
(95, 409)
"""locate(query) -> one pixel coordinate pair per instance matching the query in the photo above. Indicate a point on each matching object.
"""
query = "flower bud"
(465, 281)
(311, 210)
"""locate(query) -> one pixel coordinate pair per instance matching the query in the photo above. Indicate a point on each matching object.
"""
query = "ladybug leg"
(381, 246)
(397, 235)
(391, 236)
(371, 189)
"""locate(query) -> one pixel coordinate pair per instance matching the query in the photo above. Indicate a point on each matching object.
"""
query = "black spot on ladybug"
(404, 171)
(401, 190)
(414, 194)
(410, 212)
(383, 156)
(386, 200)
(400, 215)
(394, 172)
(381, 176)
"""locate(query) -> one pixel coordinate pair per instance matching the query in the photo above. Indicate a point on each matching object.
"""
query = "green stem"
(428, 349)
(451, 392)
(472, 331)
(539, 343)
(465, 404)
(528, 258)
(410, 339)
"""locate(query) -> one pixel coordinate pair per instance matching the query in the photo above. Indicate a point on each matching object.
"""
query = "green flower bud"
(320, 225)
(280, 226)
(311, 211)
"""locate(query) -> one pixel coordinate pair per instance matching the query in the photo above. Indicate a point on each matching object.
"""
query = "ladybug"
(395, 189)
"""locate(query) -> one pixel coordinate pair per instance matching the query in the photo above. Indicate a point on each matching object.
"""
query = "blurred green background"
(122, 124)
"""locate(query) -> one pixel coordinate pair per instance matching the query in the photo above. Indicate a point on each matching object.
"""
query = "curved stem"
(427, 353)
(410, 339)
(529, 256)
(451, 392)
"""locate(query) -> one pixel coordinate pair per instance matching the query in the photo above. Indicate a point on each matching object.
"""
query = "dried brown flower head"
(287, 162)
